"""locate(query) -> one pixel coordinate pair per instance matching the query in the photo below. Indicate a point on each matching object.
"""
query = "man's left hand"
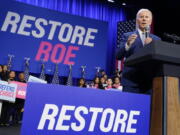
(148, 40)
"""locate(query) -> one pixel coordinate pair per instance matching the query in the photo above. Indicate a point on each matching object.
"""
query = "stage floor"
(12, 130)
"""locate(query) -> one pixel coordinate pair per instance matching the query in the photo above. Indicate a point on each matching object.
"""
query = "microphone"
(174, 37)
(147, 31)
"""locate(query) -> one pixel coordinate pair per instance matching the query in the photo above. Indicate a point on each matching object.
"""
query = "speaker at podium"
(161, 60)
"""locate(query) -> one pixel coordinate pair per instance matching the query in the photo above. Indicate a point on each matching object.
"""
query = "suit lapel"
(138, 41)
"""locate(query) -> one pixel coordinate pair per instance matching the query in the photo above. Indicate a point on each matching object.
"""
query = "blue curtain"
(91, 9)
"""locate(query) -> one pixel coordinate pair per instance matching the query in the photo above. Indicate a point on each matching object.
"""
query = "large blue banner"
(64, 110)
(54, 37)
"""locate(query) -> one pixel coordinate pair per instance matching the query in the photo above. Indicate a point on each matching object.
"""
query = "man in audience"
(21, 77)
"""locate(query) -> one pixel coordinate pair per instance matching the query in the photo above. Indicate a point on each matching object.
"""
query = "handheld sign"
(7, 91)
(35, 79)
(21, 89)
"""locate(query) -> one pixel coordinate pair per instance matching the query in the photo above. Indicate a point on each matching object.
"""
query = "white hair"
(142, 10)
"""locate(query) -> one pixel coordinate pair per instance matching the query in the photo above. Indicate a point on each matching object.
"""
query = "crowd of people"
(102, 81)
(11, 113)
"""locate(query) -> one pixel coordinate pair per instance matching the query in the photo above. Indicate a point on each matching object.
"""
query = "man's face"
(144, 19)
(21, 76)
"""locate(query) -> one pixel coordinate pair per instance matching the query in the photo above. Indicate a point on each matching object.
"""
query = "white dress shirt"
(142, 37)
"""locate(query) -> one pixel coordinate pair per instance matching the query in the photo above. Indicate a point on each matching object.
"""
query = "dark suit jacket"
(132, 77)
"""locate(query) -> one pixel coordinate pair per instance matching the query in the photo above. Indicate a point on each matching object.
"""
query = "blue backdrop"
(39, 33)
(91, 9)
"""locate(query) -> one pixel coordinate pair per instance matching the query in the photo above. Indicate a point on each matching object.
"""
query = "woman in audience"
(102, 83)
(82, 83)
(109, 83)
(105, 77)
(4, 73)
(117, 84)
(95, 83)
(11, 76)
(8, 109)
(13, 106)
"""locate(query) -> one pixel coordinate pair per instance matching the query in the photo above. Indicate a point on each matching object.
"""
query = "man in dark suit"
(132, 78)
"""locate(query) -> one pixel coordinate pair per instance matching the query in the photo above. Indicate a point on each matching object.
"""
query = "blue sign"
(64, 110)
(55, 37)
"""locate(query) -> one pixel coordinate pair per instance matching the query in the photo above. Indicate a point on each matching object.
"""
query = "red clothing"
(108, 87)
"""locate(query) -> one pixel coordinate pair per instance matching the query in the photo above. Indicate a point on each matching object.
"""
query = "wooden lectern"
(161, 60)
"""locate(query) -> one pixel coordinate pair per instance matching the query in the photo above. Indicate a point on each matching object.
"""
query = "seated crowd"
(101, 83)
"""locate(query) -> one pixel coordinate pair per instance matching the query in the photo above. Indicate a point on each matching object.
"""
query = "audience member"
(102, 72)
(95, 83)
(11, 76)
(4, 73)
(117, 84)
(109, 83)
(8, 109)
(105, 77)
(82, 83)
(21, 77)
(102, 83)
(20, 102)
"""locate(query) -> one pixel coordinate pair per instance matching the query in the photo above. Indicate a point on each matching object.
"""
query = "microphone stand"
(174, 37)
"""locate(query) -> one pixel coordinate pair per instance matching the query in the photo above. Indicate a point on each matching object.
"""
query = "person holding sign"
(12, 76)
(8, 108)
